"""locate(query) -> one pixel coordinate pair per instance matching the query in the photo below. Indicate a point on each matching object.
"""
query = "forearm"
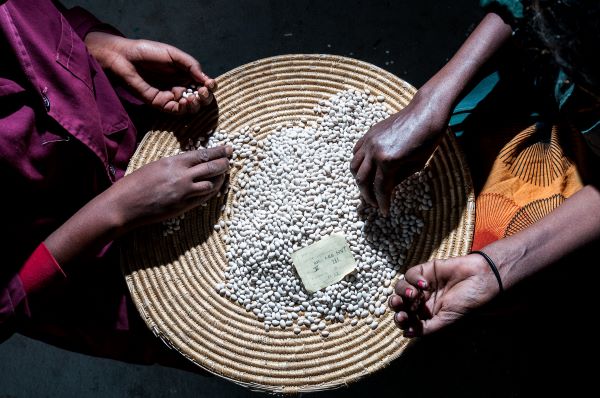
(569, 227)
(157, 191)
(87, 231)
(446, 86)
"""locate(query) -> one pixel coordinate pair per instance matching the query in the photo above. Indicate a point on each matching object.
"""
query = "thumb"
(127, 71)
(432, 325)
(186, 61)
(424, 327)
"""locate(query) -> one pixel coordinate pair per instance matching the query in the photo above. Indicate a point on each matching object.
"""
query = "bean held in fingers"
(157, 73)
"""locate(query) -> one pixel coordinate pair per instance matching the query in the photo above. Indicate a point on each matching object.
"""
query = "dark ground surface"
(412, 39)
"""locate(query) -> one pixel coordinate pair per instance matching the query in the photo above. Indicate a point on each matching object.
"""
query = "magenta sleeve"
(83, 22)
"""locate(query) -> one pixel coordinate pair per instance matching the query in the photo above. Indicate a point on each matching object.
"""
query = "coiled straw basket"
(172, 278)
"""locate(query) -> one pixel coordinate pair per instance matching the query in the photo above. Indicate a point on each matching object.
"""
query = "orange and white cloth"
(532, 174)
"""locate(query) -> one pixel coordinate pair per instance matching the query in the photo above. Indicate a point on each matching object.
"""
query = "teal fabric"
(578, 107)
(470, 102)
(563, 89)
(515, 7)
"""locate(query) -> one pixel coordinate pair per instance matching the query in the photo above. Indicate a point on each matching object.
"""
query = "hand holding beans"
(158, 73)
(437, 293)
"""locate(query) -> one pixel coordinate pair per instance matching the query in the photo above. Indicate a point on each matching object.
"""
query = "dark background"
(411, 39)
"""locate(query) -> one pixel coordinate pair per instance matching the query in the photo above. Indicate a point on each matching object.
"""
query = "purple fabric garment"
(64, 137)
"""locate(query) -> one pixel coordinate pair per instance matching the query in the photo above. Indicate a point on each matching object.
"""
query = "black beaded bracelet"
(492, 266)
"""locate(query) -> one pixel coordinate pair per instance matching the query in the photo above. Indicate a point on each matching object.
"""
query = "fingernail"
(408, 292)
(422, 284)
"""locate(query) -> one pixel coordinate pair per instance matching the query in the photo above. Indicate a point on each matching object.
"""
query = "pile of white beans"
(295, 187)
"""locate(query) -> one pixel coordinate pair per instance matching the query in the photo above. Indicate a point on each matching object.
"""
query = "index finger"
(428, 276)
(210, 169)
(358, 144)
(204, 155)
(423, 275)
(364, 180)
(382, 188)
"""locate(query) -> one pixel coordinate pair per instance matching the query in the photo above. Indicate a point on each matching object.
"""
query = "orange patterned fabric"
(531, 176)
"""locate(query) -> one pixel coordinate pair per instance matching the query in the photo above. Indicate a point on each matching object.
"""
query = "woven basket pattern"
(172, 278)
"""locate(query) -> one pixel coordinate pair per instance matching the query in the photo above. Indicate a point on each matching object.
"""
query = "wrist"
(116, 215)
(87, 231)
(507, 253)
(492, 267)
(435, 104)
(477, 267)
(105, 47)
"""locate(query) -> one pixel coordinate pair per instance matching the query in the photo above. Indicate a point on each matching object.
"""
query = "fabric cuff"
(40, 269)
(13, 307)
(83, 22)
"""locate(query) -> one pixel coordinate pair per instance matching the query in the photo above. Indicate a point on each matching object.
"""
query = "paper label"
(324, 263)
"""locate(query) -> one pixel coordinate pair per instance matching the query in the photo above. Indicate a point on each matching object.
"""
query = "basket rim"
(144, 288)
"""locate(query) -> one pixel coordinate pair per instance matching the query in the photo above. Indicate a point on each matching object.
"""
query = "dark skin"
(155, 192)
(159, 190)
(439, 292)
(400, 145)
(158, 73)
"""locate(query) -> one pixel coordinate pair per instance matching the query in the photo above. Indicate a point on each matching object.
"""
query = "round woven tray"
(172, 278)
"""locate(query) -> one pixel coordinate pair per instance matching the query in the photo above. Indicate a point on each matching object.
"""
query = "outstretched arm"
(400, 145)
(439, 292)
(157, 191)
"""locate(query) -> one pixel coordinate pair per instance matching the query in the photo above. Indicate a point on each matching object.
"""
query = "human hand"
(395, 148)
(439, 292)
(400, 145)
(168, 187)
(158, 73)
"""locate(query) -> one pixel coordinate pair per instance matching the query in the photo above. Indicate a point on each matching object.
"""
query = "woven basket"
(172, 278)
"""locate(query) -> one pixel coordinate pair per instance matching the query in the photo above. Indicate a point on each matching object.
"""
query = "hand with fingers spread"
(395, 148)
(158, 73)
(439, 292)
